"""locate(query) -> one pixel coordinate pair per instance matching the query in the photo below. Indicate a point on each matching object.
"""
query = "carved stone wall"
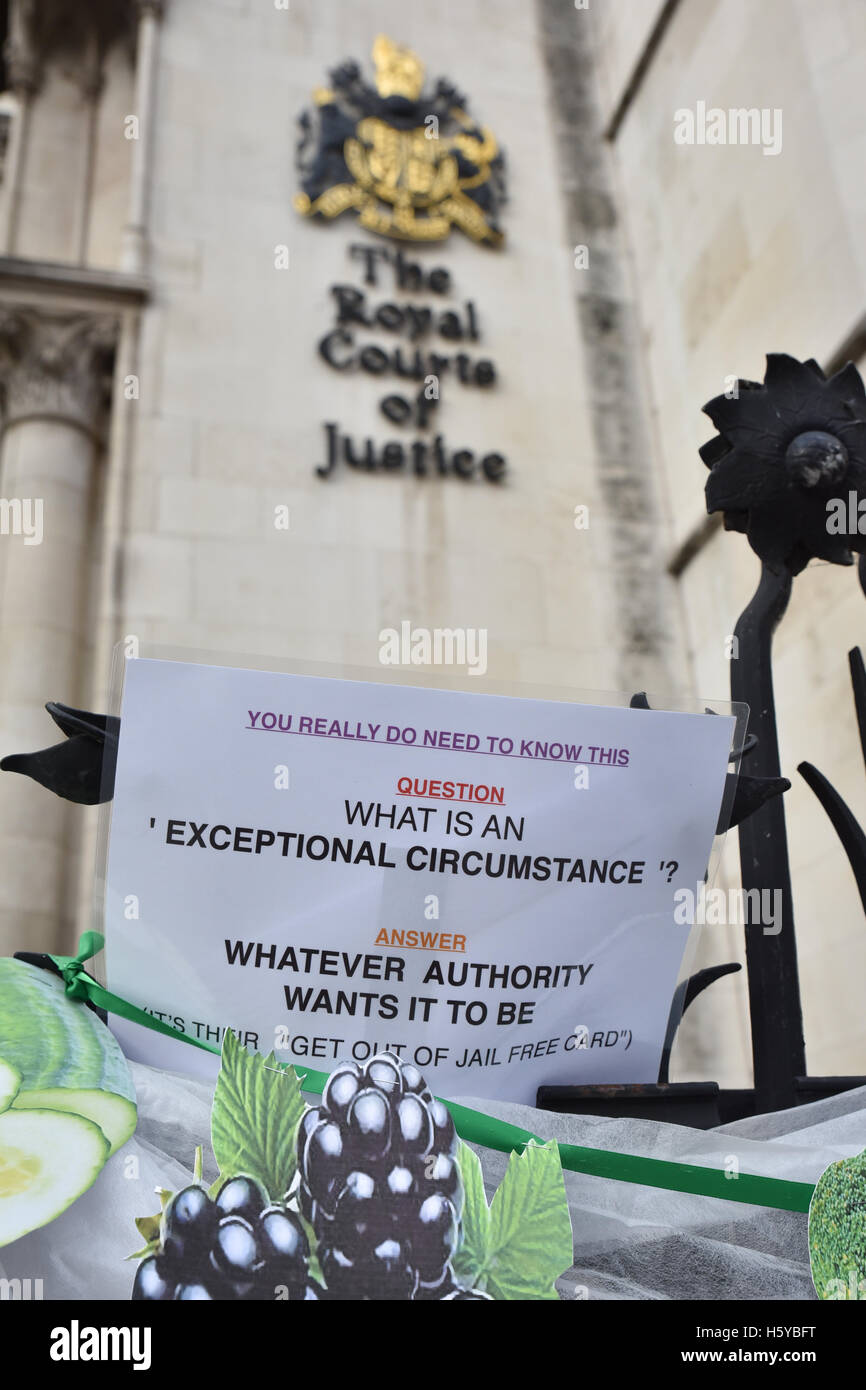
(63, 71)
(54, 375)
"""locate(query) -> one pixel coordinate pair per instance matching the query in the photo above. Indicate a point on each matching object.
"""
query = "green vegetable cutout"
(369, 1195)
(837, 1230)
(66, 1098)
(66, 1057)
(10, 1084)
(47, 1159)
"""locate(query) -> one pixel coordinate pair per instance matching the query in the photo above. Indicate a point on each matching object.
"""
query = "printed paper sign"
(482, 885)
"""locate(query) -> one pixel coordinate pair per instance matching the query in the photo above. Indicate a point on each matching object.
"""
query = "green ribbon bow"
(485, 1130)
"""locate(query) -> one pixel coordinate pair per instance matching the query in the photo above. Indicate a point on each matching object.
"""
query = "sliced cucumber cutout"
(47, 1159)
(10, 1080)
(115, 1116)
(67, 1058)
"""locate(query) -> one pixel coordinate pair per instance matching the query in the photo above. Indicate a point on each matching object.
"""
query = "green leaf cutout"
(469, 1260)
(148, 1227)
(522, 1243)
(256, 1109)
(530, 1242)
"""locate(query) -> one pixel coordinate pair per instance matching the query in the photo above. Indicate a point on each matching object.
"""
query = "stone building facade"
(736, 253)
(161, 303)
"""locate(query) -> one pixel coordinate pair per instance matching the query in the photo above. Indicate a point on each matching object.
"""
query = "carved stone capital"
(75, 36)
(22, 51)
(88, 71)
(56, 366)
(23, 69)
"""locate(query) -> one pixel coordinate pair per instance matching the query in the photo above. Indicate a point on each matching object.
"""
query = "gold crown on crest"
(399, 71)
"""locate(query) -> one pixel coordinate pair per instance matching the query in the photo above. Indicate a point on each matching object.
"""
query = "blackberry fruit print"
(368, 1196)
(238, 1245)
(380, 1184)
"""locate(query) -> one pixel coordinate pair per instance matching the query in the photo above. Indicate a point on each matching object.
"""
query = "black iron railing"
(787, 468)
(788, 462)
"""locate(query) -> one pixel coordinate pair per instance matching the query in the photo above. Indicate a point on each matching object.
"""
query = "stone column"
(133, 256)
(24, 75)
(54, 376)
(91, 82)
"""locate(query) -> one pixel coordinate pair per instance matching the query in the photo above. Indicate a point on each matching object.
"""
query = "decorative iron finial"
(788, 454)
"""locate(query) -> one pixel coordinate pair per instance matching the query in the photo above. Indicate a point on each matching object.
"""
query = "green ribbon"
(80, 985)
(485, 1130)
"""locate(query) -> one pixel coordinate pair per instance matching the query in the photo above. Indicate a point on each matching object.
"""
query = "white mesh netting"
(629, 1241)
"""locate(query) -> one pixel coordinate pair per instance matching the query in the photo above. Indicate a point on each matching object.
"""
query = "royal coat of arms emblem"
(411, 164)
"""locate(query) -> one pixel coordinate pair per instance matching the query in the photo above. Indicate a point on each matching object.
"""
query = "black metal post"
(778, 1049)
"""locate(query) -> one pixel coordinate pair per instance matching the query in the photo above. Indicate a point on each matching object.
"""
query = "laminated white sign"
(482, 884)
